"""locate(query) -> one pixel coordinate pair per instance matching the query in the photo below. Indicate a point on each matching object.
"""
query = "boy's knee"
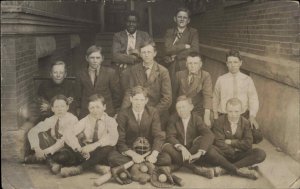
(260, 155)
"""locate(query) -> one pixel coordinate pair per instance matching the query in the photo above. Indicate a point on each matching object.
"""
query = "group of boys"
(141, 94)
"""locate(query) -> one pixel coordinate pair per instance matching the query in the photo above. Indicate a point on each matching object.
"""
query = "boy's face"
(233, 64)
(182, 19)
(138, 102)
(58, 74)
(233, 112)
(94, 59)
(60, 107)
(96, 109)
(184, 109)
(131, 24)
(148, 53)
(193, 64)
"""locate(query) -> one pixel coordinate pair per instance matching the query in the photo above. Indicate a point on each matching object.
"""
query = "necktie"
(235, 86)
(139, 118)
(57, 134)
(191, 79)
(95, 138)
(147, 70)
(95, 77)
(179, 35)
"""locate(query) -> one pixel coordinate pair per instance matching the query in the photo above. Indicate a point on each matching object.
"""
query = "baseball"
(123, 175)
(162, 178)
(144, 168)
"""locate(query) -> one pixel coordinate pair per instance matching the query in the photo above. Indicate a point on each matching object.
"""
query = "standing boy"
(97, 79)
(155, 78)
(235, 84)
(196, 84)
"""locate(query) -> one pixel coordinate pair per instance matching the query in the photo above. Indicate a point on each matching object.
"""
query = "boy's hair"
(194, 54)
(148, 42)
(96, 97)
(93, 49)
(59, 62)
(234, 102)
(234, 53)
(184, 98)
(132, 13)
(183, 9)
(139, 90)
(58, 97)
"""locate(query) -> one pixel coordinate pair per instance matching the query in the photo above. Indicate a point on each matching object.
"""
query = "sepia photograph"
(130, 94)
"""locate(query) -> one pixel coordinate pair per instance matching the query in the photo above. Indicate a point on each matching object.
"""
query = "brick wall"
(261, 27)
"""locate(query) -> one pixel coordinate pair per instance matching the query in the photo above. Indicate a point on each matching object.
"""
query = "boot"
(203, 171)
(31, 159)
(245, 172)
(101, 169)
(70, 171)
(177, 180)
(219, 171)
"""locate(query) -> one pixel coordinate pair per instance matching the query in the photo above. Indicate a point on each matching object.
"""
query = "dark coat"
(242, 140)
(129, 130)
(189, 36)
(158, 85)
(200, 91)
(106, 85)
(196, 128)
(119, 46)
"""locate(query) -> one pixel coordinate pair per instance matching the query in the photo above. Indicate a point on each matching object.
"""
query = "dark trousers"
(98, 156)
(116, 158)
(214, 157)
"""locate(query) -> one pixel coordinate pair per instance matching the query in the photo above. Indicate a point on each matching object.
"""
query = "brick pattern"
(268, 28)
(8, 83)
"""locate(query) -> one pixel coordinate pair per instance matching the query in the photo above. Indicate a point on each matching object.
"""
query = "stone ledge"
(280, 169)
(280, 70)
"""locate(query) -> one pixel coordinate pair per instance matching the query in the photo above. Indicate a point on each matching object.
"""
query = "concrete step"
(280, 169)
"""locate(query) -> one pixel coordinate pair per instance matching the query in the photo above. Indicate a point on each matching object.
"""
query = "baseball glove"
(140, 176)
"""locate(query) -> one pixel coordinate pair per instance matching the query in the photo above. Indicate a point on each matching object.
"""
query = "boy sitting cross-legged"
(47, 138)
(93, 139)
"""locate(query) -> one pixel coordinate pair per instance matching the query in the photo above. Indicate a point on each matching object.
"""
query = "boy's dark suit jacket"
(241, 140)
(189, 36)
(196, 128)
(106, 85)
(129, 130)
(200, 89)
(158, 85)
(119, 46)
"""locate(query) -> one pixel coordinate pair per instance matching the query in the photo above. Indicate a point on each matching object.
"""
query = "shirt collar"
(180, 30)
(128, 34)
(93, 70)
(148, 66)
(135, 113)
(237, 74)
(186, 119)
(101, 118)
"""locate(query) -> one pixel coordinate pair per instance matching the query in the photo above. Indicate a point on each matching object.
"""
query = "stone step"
(280, 169)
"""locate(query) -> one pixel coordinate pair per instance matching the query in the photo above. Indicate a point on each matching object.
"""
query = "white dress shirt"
(107, 131)
(148, 71)
(185, 125)
(138, 115)
(66, 125)
(131, 41)
(245, 91)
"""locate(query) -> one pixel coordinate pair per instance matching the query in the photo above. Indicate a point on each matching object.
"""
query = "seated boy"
(188, 138)
(94, 137)
(189, 141)
(47, 138)
(139, 123)
(233, 138)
